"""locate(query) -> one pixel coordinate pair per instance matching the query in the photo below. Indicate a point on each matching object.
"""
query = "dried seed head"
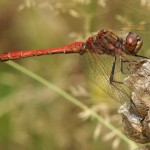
(136, 113)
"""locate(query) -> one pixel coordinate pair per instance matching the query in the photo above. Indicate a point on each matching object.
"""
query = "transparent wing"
(98, 68)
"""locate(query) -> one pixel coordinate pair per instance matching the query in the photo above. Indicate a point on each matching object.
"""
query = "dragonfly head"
(132, 43)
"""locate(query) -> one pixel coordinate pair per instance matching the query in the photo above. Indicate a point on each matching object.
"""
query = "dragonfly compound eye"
(132, 44)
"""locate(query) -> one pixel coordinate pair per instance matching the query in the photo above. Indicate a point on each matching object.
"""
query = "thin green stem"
(72, 100)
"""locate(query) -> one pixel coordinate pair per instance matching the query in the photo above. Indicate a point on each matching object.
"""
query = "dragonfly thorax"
(105, 42)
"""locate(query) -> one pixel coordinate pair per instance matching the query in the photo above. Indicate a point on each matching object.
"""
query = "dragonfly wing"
(98, 68)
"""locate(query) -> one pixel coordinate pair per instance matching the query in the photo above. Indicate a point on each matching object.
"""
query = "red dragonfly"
(104, 43)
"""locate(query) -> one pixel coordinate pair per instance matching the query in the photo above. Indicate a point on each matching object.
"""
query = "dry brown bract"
(136, 113)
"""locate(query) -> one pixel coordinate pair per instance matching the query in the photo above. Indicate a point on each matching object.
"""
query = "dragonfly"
(105, 43)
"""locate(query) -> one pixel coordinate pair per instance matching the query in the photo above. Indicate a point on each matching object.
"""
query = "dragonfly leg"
(128, 68)
(121, 65)
(141, 56)
(111, 79)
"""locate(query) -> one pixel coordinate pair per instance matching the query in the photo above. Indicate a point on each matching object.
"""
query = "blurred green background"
(32, 117)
